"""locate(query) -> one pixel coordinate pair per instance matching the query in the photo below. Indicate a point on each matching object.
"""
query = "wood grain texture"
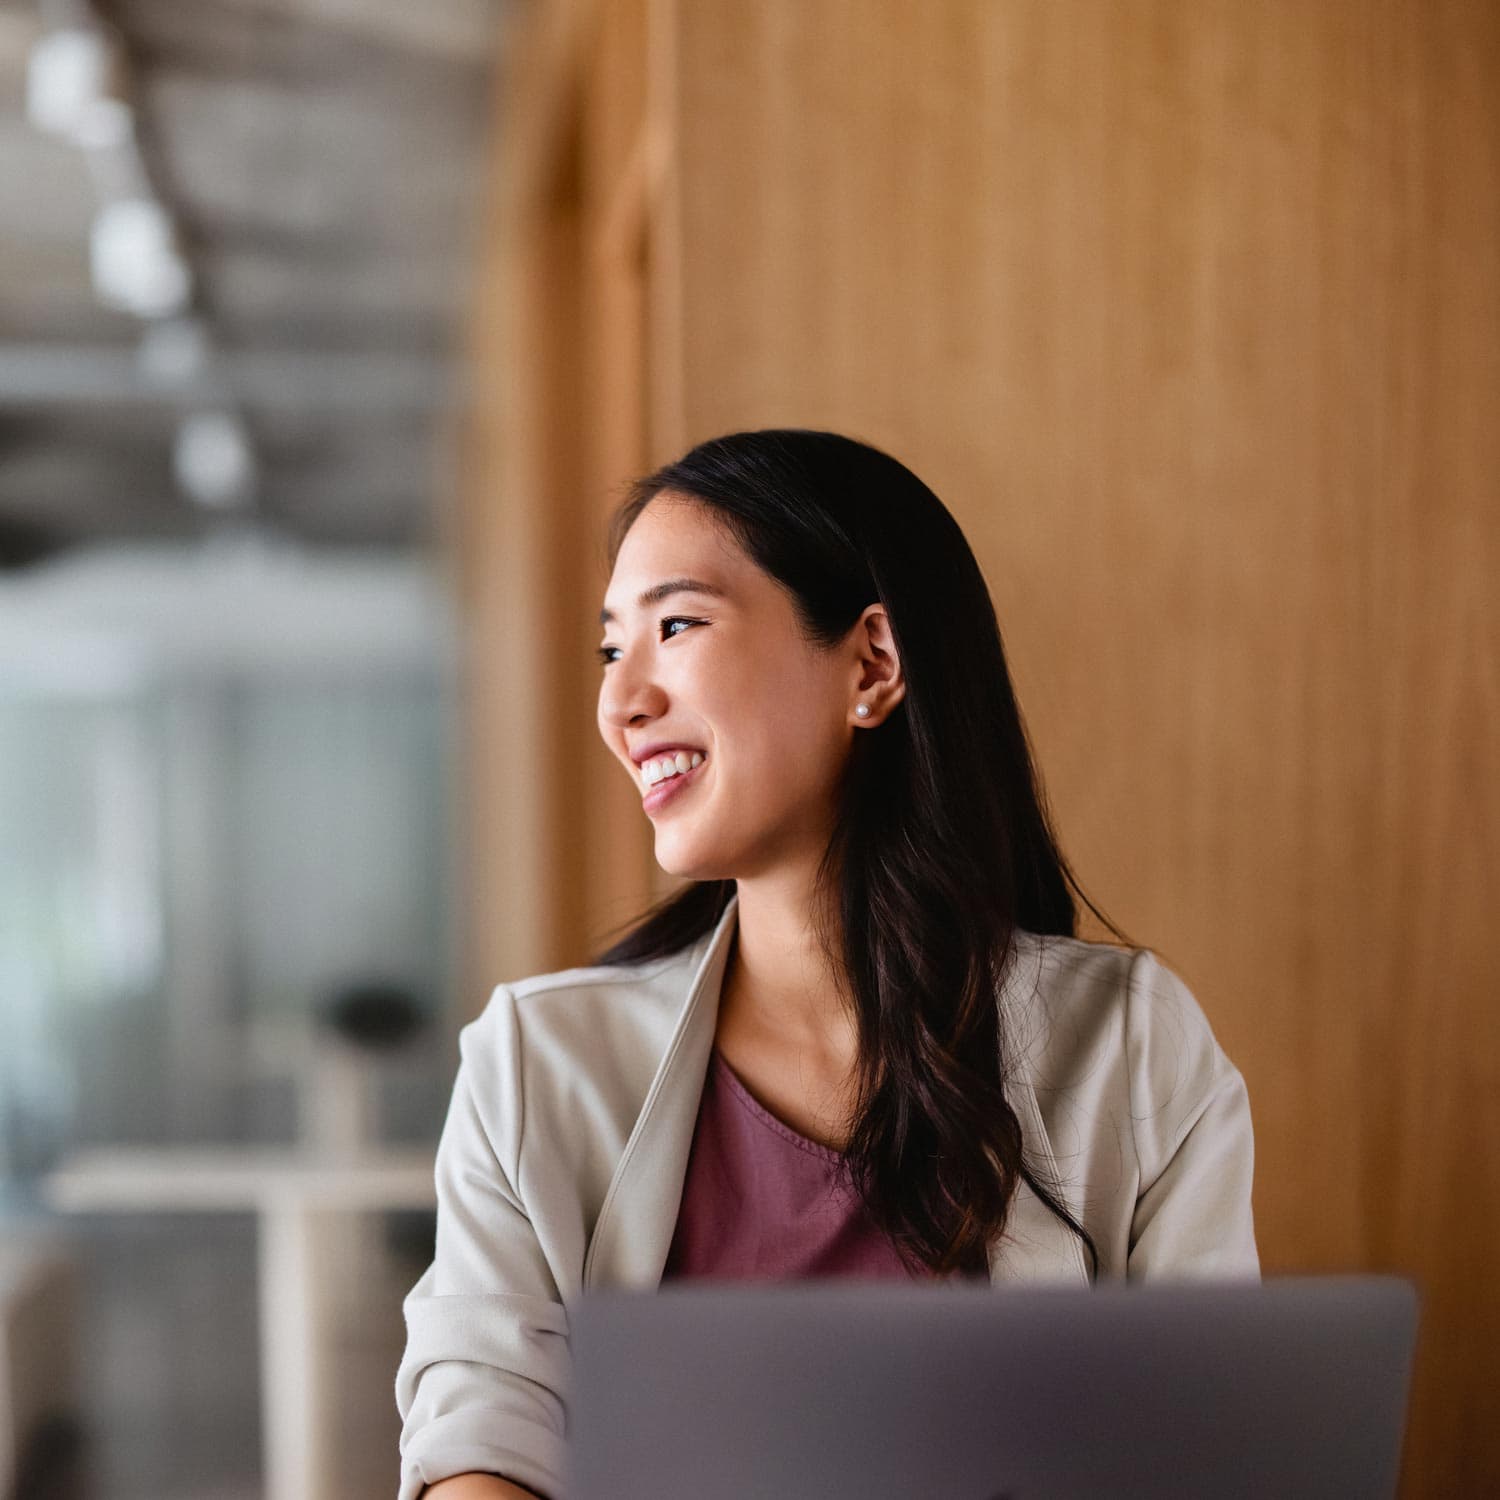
(1190, 311)
(579, 290)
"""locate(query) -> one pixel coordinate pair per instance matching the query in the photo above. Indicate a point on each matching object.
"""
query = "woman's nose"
(629, 694)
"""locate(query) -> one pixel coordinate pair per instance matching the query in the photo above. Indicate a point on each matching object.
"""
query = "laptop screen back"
(827, 1390)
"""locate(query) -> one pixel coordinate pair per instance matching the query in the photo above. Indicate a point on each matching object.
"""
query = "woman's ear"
(879, 684)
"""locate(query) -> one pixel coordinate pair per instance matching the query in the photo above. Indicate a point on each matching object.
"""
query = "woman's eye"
(609, 654)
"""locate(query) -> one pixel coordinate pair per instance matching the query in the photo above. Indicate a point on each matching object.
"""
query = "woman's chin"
(682, 858)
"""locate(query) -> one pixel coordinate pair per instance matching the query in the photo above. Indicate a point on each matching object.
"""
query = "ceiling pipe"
(44, 374)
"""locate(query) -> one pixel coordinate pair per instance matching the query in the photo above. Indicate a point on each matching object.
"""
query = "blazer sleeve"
(482, 1384)
(1190, 1115)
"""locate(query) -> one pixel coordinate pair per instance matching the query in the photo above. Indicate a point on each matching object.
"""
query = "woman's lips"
(664, 791)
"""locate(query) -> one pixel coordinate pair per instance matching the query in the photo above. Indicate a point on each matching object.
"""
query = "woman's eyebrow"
(664, 590)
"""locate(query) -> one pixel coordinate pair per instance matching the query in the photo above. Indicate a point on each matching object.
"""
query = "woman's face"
(720, 670)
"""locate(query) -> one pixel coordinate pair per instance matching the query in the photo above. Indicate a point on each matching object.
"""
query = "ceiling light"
(213, 459)
(75, 87)
(135, 261)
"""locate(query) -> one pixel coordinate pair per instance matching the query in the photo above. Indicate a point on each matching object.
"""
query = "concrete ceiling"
(326, 161)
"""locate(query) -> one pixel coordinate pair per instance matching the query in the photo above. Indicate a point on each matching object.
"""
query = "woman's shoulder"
(1072, 1004)
(552, 1051)
(588, 1007)
(1138, 1104)
(557, 985)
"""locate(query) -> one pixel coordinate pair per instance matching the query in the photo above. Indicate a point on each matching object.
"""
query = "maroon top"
(762, 1203)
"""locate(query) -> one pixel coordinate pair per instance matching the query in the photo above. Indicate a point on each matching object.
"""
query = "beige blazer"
(561, 1166)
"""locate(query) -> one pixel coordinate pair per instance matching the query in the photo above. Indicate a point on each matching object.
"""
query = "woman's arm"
(481, 1386)
(476, 1487)
(1194, 1145)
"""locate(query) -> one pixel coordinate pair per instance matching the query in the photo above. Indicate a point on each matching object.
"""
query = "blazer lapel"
(633, 1235)
(634, 1231)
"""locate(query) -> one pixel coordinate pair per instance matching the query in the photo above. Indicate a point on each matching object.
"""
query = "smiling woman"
(769, 708)
(863, 1040)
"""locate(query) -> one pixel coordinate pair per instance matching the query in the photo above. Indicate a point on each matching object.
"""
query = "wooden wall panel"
(522, 355)
(557, 850)
(1190, 310)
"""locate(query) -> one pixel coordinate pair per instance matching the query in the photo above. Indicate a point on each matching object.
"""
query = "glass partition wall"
(226, 922)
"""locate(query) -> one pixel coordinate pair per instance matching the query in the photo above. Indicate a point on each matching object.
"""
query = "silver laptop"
(880, 1391)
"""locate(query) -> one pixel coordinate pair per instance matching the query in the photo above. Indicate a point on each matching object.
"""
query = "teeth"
(670, 765)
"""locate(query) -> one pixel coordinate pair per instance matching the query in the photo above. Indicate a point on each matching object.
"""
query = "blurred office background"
(1191, 314)
(237, 247)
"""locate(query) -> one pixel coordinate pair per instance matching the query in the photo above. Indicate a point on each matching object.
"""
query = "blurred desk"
(287, 1191)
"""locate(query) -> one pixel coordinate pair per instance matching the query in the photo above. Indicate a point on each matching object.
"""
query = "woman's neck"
(779, 982)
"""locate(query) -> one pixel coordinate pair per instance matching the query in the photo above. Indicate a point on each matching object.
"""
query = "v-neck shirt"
(762, 1202)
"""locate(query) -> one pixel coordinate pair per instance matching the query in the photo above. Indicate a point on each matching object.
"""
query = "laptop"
(881, 1391)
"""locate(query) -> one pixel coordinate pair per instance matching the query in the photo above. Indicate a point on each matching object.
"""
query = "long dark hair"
(941, 846)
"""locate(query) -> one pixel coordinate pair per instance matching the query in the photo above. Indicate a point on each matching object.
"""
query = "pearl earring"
(862, 711)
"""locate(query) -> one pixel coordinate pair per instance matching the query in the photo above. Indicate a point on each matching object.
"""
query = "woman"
(863, 1040)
